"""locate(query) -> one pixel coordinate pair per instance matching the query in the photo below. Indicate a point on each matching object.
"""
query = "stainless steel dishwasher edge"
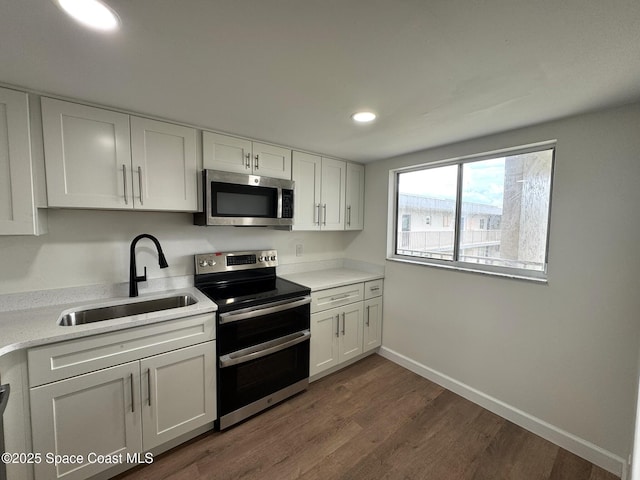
(4, 398)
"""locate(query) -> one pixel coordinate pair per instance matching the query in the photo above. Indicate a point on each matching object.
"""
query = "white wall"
(566, 352)
(86, 247)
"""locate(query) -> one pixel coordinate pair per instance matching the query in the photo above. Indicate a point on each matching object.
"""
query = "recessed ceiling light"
(364, 117)
(91, 13)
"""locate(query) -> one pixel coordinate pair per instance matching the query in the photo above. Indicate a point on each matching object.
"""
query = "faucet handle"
(142, 278)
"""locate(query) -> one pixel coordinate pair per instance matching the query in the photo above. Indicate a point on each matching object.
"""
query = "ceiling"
(293, 71)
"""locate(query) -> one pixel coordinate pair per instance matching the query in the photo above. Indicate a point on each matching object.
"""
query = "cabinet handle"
(324, 207)
(124, 181)
(247, 164)
(149, 384)
(133, 406)
(319, 207)
(344, 323)
(368, 306)
(337, 325)
(349, 215)
(140, 182)
(257, 159)
(341, 297)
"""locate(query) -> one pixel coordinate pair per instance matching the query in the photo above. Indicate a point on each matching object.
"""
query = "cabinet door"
(97, 413)
(333, 191)
(355, 197)
(229, 154)
(271, 161)
(306, 175)
(87, 156)
(179, 393)
(351, 331)
(17, 200)
(164, 165)
(324, 351)
(372, 337)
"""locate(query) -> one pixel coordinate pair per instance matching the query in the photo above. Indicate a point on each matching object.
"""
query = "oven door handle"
(263, 349)
(266, 309)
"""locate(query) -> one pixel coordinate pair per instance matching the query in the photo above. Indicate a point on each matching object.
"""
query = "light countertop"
(38, 326)
(22, 326)
(329, 278)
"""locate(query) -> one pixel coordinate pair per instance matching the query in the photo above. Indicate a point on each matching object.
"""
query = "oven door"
(263, 357)
(258, 377)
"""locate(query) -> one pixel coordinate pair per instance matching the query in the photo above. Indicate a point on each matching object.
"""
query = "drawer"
(336, 297)
(57, 361)
(372, 289)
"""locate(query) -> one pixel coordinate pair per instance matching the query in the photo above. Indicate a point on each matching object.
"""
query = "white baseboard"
(579, 446)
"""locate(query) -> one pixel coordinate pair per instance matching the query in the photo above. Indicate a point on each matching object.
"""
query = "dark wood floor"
(372, 420)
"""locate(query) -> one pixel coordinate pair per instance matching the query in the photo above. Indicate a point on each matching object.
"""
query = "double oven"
(262, 332)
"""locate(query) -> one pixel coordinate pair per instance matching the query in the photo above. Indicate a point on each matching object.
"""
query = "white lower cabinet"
(336, 336)
(179, 393)
(99, 420)
(86, 415)
(345, 323)
(372, 337)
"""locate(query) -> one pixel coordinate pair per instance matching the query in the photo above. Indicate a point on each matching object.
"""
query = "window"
(494, 212)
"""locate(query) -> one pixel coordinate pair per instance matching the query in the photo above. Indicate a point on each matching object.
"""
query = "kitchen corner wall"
(90, 247)
(563, 355)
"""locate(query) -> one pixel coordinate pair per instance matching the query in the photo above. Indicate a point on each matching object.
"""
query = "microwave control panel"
(287, 203)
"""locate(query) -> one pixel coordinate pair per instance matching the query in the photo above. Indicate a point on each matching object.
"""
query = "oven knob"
(203, 263)
(273, 258)
(261, 259)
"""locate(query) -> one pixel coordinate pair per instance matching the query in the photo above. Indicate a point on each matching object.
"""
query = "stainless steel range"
(262, 331)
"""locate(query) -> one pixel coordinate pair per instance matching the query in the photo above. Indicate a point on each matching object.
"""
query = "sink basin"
(99, 314)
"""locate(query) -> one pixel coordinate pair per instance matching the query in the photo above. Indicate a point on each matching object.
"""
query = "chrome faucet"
(133, 277)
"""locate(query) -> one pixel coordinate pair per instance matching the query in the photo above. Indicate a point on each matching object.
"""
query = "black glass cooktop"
(246, 291)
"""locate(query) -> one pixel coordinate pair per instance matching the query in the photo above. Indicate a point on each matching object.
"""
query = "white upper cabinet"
(354, 216)
(18, 206)
(271, 161)
(333, 194)
(98, 158)
(306, 197)
(164, 163)
(239, 155)
(319, 198)
(87, 156)
(229, 154)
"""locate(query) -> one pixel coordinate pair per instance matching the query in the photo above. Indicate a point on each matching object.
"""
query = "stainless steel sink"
(99, 314)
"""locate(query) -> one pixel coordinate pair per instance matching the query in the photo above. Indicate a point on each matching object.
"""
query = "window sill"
(515, 276)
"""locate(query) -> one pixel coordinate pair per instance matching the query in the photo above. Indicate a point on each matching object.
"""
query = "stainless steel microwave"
(245, 200)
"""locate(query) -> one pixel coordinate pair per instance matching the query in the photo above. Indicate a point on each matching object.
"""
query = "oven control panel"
(230, 261)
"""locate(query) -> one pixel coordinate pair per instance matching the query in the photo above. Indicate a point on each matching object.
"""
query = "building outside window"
(487, 213)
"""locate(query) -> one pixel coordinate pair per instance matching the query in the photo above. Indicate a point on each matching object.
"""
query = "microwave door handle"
(263, 349)
(267, 309)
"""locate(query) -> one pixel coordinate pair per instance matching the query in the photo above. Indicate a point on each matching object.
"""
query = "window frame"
(510, 272)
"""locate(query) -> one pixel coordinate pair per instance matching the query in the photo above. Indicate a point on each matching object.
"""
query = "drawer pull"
(341, 297)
